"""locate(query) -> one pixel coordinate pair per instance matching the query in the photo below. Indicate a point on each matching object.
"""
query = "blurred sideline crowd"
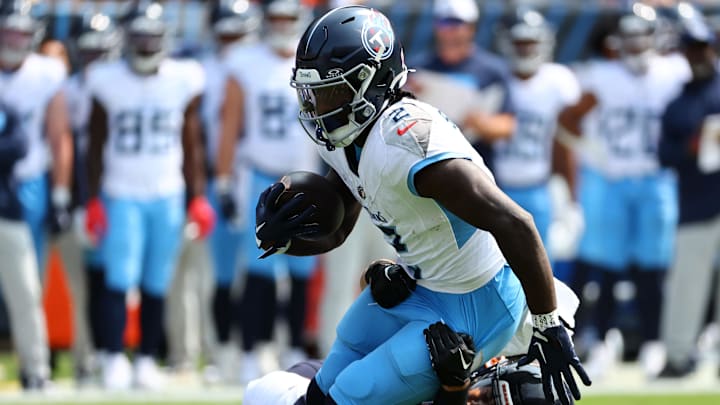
(141, 163)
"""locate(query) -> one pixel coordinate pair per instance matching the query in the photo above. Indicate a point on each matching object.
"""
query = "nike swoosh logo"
(542, 352)
(401, 131)
(465, 364)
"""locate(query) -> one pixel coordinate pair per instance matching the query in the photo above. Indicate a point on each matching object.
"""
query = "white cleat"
(225, 366)
(147, 374)
(116, 372)
(604, 356)
(652, 358)
(251, 368)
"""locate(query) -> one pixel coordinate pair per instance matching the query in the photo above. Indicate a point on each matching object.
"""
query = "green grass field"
(591, 400)
(627, 387)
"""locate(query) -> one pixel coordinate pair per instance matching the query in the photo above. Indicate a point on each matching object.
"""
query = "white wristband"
(544, 321)
(60, 196)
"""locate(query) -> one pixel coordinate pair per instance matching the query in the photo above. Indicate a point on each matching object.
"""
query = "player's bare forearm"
(491, 128)
(231, 123)
(565, 164)
(301, 247)
(193, 152)
(571, 117)
(468, 192)
(97, 129)
(57, 125)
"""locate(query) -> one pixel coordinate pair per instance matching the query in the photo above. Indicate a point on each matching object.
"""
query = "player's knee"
(157, 285)
(119, 282)
(350, 388)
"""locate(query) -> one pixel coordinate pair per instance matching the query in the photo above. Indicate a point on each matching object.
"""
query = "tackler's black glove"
(553, 349)
(451, 354)
(276, 224)
(389, 283)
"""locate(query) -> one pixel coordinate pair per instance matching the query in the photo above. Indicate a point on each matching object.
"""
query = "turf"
(651, 400)
(591, 400)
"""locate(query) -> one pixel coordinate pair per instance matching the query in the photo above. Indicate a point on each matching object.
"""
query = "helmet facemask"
(527, 44)
(636, 43)
(334, 111)
(147, 44)
(18, 36)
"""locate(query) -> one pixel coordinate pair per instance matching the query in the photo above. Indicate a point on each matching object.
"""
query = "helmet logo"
(377, 36)
(334, 72)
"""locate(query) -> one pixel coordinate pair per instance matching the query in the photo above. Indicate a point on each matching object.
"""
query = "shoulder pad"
(408, 125)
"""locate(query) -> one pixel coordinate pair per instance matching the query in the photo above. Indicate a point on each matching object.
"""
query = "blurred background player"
(145, 156)
(31, 84)
(235, 26)
(97, 39)
(693, 115)
(19, 274)
(524, 162)
(273, 143)
(457, 56)
(630, 203)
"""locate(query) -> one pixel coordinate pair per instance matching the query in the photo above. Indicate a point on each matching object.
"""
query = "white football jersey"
(526, 158)
(442, 252)
(623, 129)
(143, 153)
(29, 90)
(274, 141)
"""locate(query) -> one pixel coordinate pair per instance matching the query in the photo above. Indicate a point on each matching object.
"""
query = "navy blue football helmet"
(98, 38)
(235, 18)
(349, 64)
(20, 32)
(147, 37)
(526, 40)
(636, 37)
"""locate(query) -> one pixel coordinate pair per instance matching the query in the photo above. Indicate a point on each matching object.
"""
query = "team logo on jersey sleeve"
(377, 35)
(361, 192)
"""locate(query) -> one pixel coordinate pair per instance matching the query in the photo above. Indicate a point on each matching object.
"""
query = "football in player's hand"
(317, 191)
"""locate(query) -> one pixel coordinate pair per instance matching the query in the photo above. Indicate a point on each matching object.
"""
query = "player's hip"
(490, 313)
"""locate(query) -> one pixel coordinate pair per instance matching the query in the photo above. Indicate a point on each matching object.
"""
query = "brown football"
(320, 192)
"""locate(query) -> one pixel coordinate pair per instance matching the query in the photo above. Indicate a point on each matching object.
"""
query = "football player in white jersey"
(235, 26)
(31, 84)
(273, 143)
(145, 155)
(630, 203)
(541, 91)
(430, 193)
(97, 39)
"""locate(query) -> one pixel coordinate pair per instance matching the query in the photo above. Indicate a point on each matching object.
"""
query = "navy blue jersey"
(681, 126)
(13, 147)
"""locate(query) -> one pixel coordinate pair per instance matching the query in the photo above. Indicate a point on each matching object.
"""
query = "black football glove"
(451, 354)
(228, 208)
(554, 350)
(276, 225)
(389, 283)
(59, 215)
(59, 219)
(226, 201)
